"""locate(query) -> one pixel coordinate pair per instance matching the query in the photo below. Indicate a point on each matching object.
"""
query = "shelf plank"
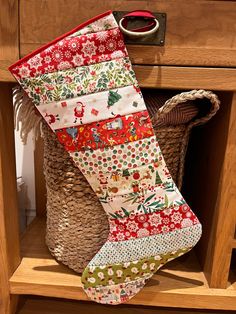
(221, 79)
(180, 284)
(9, 37)
(35, 305)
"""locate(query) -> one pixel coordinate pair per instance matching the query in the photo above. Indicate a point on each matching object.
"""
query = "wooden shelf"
(180, 284)
(37, 305)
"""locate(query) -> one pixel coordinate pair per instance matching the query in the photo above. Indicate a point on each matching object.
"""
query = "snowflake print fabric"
(144, 225)
(84, 87)
(71, 52)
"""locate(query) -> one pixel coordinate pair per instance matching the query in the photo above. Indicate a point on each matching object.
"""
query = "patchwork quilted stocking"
(84, 87)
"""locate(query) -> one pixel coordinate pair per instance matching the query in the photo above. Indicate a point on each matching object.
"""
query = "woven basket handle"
(186, 96)
(175, 101)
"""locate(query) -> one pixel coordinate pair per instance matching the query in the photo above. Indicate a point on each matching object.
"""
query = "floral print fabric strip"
(144, 202)
(93, 107)
(119, 157)
(105, 133)
(104, 23)
(72, 52)
(79, 81)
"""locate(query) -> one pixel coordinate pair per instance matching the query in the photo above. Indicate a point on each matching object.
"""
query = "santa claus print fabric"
(93, 107)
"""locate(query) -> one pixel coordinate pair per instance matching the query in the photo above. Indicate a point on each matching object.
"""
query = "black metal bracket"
(156, 39)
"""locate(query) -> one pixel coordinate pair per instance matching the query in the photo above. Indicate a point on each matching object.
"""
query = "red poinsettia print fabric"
(164, 221)
(72, 52)
(110, 132)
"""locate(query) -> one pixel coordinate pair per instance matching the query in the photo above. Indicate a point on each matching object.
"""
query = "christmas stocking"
(84, 86)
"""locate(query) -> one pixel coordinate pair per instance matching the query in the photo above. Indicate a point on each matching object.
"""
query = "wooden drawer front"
(198, 33)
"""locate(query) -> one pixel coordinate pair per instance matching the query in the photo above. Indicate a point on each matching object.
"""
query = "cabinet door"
(197, 32)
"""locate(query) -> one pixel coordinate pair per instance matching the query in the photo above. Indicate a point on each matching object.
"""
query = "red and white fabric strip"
(143, 225)
(72, 52)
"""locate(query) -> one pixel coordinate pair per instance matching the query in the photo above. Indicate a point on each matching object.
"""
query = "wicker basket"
(76, 223)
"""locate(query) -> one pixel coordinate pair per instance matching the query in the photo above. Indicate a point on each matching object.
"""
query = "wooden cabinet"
(199, 52)
(198, 33)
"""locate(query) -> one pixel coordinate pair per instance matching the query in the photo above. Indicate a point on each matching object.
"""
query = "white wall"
(25, 173)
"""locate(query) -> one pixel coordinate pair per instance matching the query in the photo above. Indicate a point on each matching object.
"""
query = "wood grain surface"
(225, 211)
(9, 231)
(200, 33)
(186, 77)
(9, 39)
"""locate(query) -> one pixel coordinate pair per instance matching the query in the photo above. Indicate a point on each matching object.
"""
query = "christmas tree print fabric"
(84, 86)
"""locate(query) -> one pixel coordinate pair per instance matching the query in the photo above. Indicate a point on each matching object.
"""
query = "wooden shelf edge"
(47, 290)
(173, 77)
(145, 298)
(173, 56)
(36, 305)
